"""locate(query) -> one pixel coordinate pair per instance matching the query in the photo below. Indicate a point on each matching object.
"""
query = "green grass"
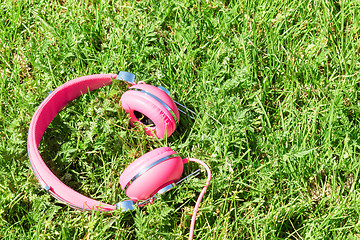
(281, 78)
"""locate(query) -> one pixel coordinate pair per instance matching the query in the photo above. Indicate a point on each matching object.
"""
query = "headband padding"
(165, 123)
(164, 173)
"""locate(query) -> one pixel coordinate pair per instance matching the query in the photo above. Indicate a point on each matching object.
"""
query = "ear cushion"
(136, 101)
(154, 178)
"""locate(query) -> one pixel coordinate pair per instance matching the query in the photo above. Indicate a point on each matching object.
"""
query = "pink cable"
(196, 208)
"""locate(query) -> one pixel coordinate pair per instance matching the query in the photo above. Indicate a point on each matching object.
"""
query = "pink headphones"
(153, 173)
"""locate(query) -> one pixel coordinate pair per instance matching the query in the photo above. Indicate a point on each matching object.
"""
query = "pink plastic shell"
(165, 123)
(162, 174)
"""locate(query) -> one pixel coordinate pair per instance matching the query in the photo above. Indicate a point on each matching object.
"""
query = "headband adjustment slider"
(166, 188)
(125, 205)
(127, 77)
(165, 90)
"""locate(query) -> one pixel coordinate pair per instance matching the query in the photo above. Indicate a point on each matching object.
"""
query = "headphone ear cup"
(152, 108)
(151, 172)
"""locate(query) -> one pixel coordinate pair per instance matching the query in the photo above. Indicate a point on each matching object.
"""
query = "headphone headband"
(43, 116)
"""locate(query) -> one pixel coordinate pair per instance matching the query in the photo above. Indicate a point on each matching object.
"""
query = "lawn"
(275, 85)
